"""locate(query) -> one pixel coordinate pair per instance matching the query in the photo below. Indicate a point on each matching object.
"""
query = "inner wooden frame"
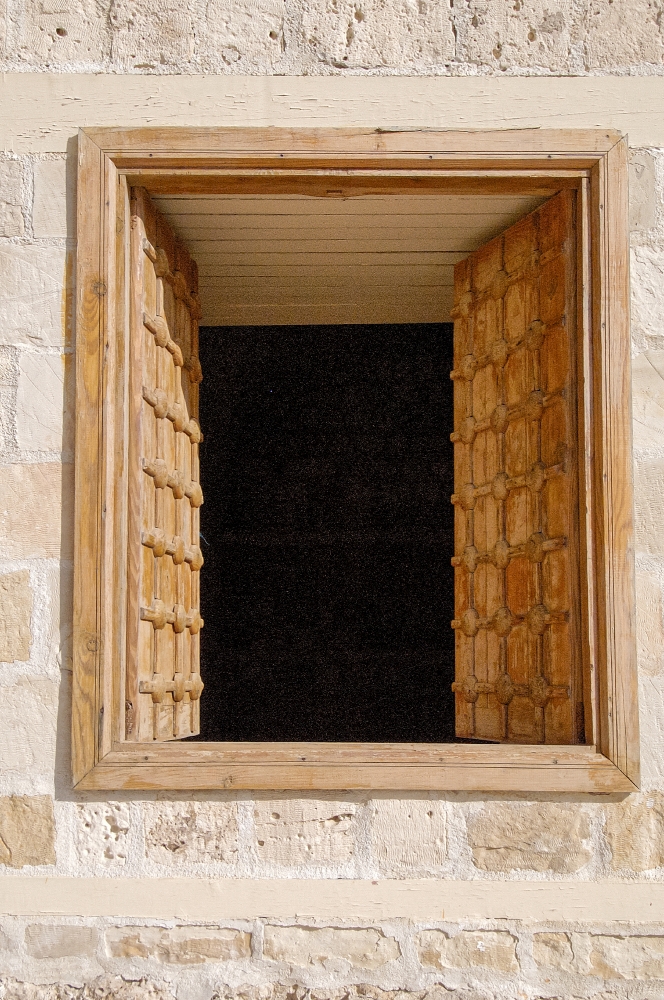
(343, 163)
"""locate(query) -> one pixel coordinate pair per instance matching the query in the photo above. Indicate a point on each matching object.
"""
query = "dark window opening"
(327, 589)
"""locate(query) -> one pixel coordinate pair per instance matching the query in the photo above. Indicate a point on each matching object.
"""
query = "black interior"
(327, 590)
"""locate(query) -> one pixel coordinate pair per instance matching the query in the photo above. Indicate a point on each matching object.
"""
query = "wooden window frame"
(333, 162)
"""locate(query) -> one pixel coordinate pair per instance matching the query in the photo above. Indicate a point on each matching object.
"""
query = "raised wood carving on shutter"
(163, 683)
(517, 594)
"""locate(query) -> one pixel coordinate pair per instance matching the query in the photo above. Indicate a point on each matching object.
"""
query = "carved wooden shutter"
(163, 683)
(517, 603)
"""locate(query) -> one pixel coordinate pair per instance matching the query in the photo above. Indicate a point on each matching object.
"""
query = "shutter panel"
(163, 683)
(517, 572)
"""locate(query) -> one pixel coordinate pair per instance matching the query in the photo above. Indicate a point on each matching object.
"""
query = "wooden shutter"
(517, 594)
(163, 683)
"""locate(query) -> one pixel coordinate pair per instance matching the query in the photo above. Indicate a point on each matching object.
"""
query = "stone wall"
(47, 830)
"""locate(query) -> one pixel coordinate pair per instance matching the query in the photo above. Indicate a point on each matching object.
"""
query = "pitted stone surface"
(27, 830)
(359, 947)
(488, 949)
(191, 832)
(102, 833)
(291, 832)
(554, 951)
(408, 834)
(104, 988)
(633, 957)
(635, 832)
(542, 837)
(179, 945)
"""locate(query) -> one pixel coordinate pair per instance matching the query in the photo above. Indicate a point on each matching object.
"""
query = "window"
(545, 657)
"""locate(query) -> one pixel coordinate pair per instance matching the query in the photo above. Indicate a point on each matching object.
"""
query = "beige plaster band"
(410, 899)
(41, 112)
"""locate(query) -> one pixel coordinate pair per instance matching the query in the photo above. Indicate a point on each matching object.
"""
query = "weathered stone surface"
(244, 39)
(60, 941)
(538, 837)
(292, 832)
(28, 718)
(621, 33)
(102, 833)
(506, 35)
(408, 833)
(11, 215)
(649, 504)
(27, 830)
(54, 202)
(191, 832)
(648, 400)
(352, 991)
(633, 957)
(635, 832)
(361, 947)
(43, 403)
(36, 295)
(103, 988)
(15, 612)
(179, 945)
(36, 511)
(647, 287)
(642, 190)
(59, 33)
(147, 37)
(489, 949)
(649, 624)
(554, 951)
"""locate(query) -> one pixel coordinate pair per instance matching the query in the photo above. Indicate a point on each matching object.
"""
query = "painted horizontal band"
(331, 899)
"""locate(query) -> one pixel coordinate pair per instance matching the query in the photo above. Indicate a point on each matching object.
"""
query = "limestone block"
(150, 36)
(408, 833)
(54, 204)
(243, 38)
(504, 35)
(60, 941)
(183, 832)
(43, 402)
(489, 949)
(361, 947)
(633, 957)
(61, 33)
(648, 400)
(647, 285)
(102, 988)
(11, 216)
(27, 830)
(102, 833)
(649, 624)
(538, 837)
(179, 945)
(292, 832)
(36, 295)
(28, 718)
(642, 190)
(554, 951)
(375, 33)
(621, 33)
(649, 504)
(15, 612)
(635, 832)
(36, 511)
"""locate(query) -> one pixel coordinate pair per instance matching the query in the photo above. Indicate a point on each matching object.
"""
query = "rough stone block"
(649, 504)
(635, 832)
(648, 400)
(506, 35)
(101, 835)
(539, 837)
(376, 33)
(36, 511)
(649, 624)
(361, 947)
(408, 833)
(633, 957)
(293, 832)
(179, 945)
(101, 988)
(59, 33)
(242, 38)
(184, 832)
(43, 403)
(620, 34)
(149, 37)
(642, 190)
(647, 299)
(489, 949)
(54, 204)
(36, 295)
(60, 941)
(11, 215)
(27, 830)
(15, 613)
(554, 951)
(28, 717)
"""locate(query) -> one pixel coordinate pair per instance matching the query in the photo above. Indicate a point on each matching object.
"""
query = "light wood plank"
(326, 274)
(246, 206)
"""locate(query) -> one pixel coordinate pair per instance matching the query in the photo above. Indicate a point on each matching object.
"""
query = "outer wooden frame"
(337, 163)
